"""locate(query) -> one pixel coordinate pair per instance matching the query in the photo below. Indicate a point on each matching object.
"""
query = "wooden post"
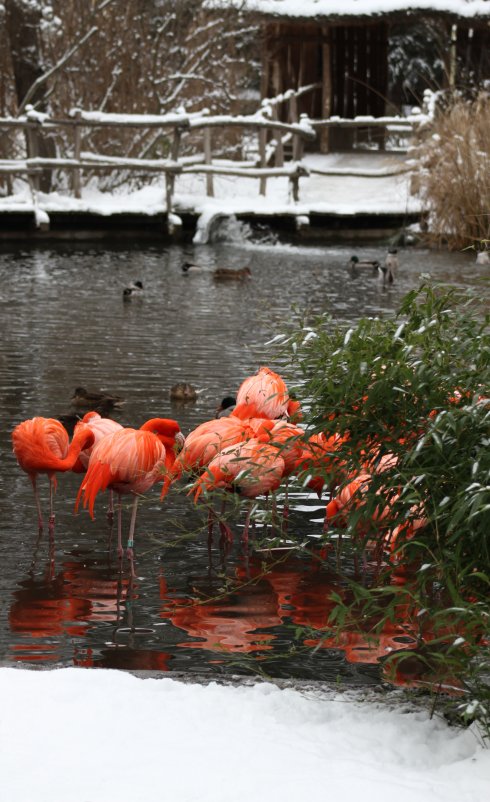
(170, 176)
(326, 88)
(32, 153)
(279, 154)
(453, 54)
(169, 182)
(294, 184)
(77, 149)
(208, 160)
(263, 158)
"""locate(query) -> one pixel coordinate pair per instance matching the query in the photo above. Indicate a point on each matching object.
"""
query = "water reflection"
(65, 325)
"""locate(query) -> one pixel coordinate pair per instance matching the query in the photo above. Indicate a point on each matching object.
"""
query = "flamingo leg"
(226, 533)
(129, 550)
(211, 519)
(274, 511)
(38, 504)
(110, 509)
(51, 503)
(51, 558)
(285, 511)
(119, 529)
(247, 524)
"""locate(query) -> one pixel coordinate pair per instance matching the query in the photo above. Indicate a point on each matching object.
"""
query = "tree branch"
(45, 77)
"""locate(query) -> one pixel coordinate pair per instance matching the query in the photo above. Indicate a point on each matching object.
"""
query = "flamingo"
(251, 469)
(207, 440)
(268, 391)
(318, 458)
(100, 427)
(130, 461)
(42, 445)
(287, 437)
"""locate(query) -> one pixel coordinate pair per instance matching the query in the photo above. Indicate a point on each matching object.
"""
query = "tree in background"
(144, 56)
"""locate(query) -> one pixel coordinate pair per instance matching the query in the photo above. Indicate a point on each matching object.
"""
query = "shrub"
(415, 387)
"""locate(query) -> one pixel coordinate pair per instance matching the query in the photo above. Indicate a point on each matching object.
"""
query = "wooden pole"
(208, 160)
(263, 158)
(326, 88)
(279, 154)
(77, 150)
(170, 177)
(32, 153)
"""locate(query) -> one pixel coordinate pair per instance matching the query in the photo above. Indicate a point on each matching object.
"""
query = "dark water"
(63, 325)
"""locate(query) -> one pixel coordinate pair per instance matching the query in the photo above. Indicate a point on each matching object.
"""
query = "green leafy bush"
(417, 388)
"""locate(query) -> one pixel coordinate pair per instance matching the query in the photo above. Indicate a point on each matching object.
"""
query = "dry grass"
(454, 174)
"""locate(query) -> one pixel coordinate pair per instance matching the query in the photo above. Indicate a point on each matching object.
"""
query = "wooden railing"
(271, 133)
(177, 125)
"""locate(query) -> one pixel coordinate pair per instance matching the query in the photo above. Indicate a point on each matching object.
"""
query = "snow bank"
(72, 735)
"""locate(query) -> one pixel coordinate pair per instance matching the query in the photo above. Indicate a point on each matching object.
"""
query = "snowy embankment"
(93, 736)
(380, 186)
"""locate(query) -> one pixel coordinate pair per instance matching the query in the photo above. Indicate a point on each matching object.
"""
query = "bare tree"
(126, 56)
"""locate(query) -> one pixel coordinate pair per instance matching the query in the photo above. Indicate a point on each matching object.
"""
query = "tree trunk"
(22, 21)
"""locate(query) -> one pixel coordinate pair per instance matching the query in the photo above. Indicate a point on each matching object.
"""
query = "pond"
(64, 324)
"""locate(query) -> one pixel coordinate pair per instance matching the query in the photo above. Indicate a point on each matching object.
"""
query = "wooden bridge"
(279, 151)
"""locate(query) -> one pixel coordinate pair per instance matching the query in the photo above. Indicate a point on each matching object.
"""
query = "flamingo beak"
(179, 442)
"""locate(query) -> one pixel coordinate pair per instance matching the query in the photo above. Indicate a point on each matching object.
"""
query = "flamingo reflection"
(50, 610)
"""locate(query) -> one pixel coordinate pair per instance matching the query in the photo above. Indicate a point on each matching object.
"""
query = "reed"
(453, 175)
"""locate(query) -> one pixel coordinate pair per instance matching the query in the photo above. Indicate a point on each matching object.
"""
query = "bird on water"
(42, 445)
(90, 400)
(132, 290)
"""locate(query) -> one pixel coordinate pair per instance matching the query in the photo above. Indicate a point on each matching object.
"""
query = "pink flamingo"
(130, 461)
(268, 391)
(251, 469)
(42, 445)
(100, 427)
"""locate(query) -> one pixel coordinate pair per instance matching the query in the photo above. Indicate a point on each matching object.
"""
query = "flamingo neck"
(82, 438)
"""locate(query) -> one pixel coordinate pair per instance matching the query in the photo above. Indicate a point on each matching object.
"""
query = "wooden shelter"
(340, 48)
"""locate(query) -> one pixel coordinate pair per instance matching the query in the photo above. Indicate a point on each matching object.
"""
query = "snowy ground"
(74, 735)
(374, 190)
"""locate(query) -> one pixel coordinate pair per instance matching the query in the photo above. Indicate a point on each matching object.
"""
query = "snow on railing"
(179, 122)
(272, 135)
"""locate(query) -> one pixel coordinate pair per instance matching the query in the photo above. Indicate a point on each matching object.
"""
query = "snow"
(94, 735)
(376, 189)
(331, 8)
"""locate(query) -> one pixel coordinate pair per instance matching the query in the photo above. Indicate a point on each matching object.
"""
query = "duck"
(188, 268)
(390, 267)
(84, 399)
(374, 264)
(226, 273)
(226, 406)
(183, 391)
(135, 288)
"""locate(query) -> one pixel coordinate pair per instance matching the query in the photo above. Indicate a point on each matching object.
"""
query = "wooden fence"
(272, 135)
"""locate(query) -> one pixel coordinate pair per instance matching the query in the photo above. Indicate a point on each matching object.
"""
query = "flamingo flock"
(251, 452)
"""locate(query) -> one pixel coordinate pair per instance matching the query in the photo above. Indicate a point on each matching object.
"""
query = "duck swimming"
(135, 288)
(84, 399)
(390, 267)
(183, 391)
(226, 407)
(356, 262)
(226, 273)
(190, 267)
